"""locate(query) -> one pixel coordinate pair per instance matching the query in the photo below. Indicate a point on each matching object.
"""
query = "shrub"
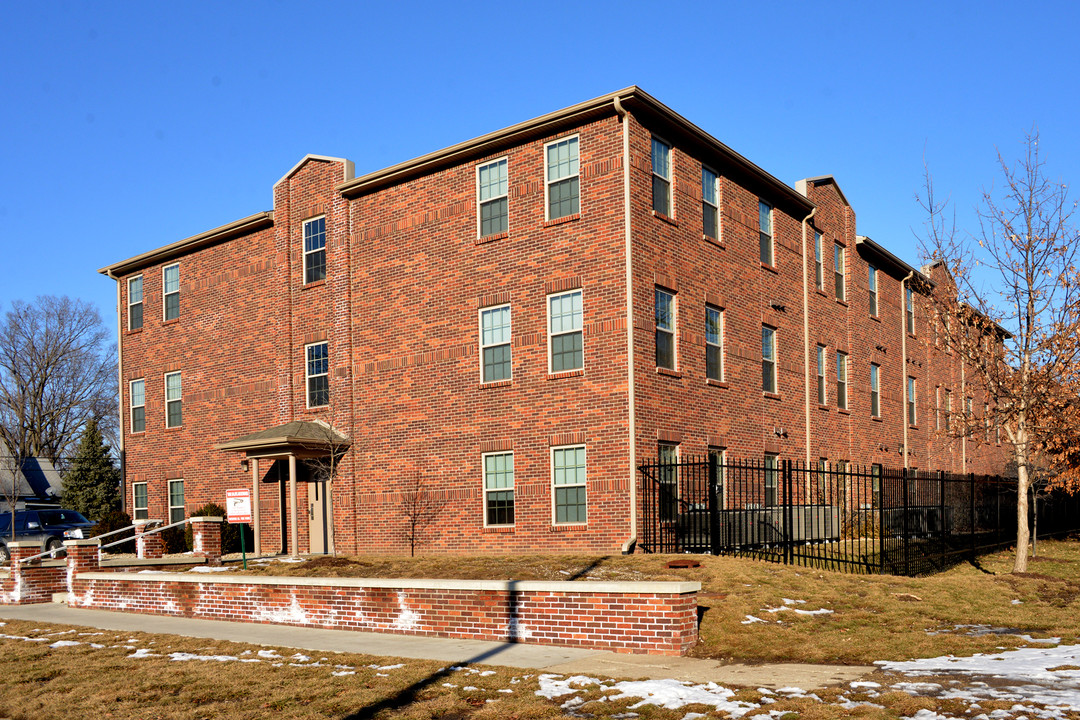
(114, 520)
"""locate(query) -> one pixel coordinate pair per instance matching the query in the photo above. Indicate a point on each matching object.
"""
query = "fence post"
(971, 489)
(941, 517)
(789, 549)
(905, 542)
(881, 520)
(714, 508)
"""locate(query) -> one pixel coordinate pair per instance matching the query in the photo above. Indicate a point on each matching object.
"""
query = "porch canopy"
(303, 439)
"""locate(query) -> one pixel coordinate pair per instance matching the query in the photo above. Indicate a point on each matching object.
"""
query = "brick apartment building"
(506, 327)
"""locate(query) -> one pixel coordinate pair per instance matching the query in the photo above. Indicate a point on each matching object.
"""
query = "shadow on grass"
(407, 696)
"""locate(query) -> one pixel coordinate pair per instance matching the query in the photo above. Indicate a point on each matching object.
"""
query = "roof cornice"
(243, 226)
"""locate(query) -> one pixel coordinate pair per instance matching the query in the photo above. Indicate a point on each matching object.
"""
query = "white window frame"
(719, 344)
(937, 408)
(948, 410)
(548, 182)
(169, 401)
(770, 236)
(142, 296)
(169, 500)
(705, 171)
(165, 295)
(506, 195)
(840, 272)
(771, 472)
(309, 253)
(672, 331)
(909, 311)
(135, 509)
(872, 289)
(875, 390)
(485, 489)
(132, 405)
(508, 343)
(986, 422)
(580, 329)
(666, 179)
(912, 408)
(774, 360)
(841, 380)
(308, 376)
(665, 479)
(822, 386)
(554, 488)
(819, 266)
(721, 472)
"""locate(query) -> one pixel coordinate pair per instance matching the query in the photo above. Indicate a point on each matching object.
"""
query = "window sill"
(843, 411)
(913, 427)
(826, 408)
(714, 241)
(136, 433)
(174, 429)
(316, 409)
(570, 527)
(491, 238)
(821, 292)
(565, 374)
(495, 384)
(310, 285)
(716, 383)
(669, 220)
(770, 268)
(498, 529)
(840, 301)
(136, 331)
(771, 395)
(669, 372)
(876, 418)
(875, 318)
(911, 335)
(174, 321)
(564, 219)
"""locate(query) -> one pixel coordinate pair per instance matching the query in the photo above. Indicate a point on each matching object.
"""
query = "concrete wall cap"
(563, 586)
(25, 544)
(82, 543)
(207, 519)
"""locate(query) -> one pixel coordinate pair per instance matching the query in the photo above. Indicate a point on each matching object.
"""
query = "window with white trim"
(872, 286)
(495, 343)
(668, 475)
(140, 502)
(772, 477)
(838, 271)
(314, 250)
(664, 315)
(176, 501)
(911, 416)
(875, 484)
(819, 268)
(174, 401)
(710, 204)
(909, 310)
(135, 306)
(948, 411)
(821, 396)
(137, 400)
(986, 422)
(561, 168)
(317, 374)
(717, 461)
(841, 380)
(875, 390)
(937, 407)
(568, 484)
(492, 197)
(661, 177)
(565, 332)
(714, 343)
(765, 233)
(170, 291)
(768, 359)
(498, 488)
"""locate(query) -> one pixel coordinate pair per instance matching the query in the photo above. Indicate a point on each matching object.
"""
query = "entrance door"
(319, 517)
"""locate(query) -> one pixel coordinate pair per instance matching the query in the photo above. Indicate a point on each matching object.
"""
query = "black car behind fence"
(857, 519)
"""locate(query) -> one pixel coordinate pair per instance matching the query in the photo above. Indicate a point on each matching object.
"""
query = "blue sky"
(127, 126)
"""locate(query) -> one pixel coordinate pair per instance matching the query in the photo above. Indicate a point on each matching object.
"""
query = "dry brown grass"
(873, 618)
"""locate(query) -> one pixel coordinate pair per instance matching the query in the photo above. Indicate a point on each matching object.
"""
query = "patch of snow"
(1017, 602)
(183, 656)
(342, 673)
(208, 569)
(142, 653)
(670, 694)
(65, 643)
(751, 619)
(268, 654)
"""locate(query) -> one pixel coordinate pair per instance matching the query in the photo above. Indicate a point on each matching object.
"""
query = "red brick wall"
(625, 617)
(27, 583)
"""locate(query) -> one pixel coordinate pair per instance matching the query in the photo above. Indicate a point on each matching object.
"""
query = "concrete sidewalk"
(545, 658)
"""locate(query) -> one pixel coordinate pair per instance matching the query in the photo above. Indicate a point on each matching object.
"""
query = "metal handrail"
(156, 530)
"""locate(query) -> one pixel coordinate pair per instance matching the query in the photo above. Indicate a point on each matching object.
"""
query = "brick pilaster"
(148, 546)
(206, 538)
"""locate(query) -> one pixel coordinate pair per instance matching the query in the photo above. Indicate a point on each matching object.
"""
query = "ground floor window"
(772, 466)
(499, 489)
(140, 504)
(568, 480)
(669, 481)
(176, 501)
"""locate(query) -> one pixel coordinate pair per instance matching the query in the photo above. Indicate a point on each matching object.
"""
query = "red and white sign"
(238, 505)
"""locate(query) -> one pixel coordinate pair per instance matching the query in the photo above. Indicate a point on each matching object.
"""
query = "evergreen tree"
(92, 485)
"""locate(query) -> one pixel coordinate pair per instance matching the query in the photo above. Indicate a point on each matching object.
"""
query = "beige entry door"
(320, 517)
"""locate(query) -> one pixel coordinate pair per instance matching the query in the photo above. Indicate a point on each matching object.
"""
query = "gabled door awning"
(300, 438)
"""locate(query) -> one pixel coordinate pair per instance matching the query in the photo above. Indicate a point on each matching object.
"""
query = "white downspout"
(120, 395)
(628, 546)
(903, 356)
(806, 332)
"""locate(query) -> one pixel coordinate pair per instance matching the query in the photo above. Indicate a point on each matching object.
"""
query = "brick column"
(82, 556)
(148, 546)
(30, 582)
(206, 538)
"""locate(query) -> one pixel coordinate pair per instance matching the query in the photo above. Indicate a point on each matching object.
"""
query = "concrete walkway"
(545, 658)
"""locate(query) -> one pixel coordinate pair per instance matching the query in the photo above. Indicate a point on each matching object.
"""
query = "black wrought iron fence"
(866, 519)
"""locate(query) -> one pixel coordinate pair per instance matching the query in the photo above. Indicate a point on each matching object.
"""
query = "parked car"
(50, 527)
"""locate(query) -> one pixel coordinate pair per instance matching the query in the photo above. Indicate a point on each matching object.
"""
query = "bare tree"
(421, 506)
(1014, 316)
(11, 465)
(57, 371)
